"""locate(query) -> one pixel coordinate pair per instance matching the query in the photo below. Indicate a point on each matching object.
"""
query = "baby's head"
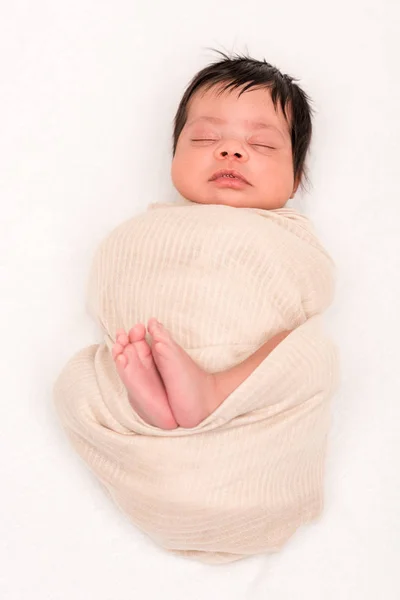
(245, 116)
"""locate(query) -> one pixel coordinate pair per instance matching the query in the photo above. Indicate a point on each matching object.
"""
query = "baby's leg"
(135, 366)
(192, 393)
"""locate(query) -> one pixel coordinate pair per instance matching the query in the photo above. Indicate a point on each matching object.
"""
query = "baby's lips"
(233, 172)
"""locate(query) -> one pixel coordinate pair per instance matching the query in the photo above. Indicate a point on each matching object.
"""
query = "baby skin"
(165, 386)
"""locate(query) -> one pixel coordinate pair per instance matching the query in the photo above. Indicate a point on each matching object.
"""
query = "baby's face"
(243, 134)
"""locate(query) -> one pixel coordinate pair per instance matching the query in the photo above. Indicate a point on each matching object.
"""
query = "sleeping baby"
(205, 410)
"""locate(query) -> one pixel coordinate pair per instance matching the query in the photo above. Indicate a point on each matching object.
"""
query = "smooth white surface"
(88, 91)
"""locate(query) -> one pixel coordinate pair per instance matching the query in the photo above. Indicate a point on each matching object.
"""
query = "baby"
(209, 429)
(242, 132)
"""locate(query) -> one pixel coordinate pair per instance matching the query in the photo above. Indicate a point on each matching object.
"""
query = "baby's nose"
(227, 153)
(231, 150)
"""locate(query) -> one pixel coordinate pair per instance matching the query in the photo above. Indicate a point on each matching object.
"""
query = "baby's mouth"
(228, 174)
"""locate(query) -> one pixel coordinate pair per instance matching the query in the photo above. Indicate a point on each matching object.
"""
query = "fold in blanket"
(223, 280)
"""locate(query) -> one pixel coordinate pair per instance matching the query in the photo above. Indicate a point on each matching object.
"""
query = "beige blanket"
(223, 280)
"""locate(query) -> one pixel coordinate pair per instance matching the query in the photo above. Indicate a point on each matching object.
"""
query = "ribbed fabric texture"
(223, 280)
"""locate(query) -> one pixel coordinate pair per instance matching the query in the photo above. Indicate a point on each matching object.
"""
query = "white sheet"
(88, 92)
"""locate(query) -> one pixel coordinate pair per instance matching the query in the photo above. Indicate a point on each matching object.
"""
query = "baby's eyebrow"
(251, 124)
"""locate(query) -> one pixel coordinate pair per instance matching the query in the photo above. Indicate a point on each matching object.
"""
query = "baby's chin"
(226, 198)
(246, 198)
(233, 201)
(217, 201)
(241, 200)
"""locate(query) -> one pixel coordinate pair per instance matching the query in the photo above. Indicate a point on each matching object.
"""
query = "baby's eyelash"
(210, 140)
(264, 146)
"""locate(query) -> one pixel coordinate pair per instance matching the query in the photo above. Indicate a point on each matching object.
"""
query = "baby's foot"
(192, 393)
(135, 366)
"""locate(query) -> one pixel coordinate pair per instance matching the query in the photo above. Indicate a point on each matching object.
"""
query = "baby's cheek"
(182, 179)
(281, 182)
(177, 170)
(185, 171)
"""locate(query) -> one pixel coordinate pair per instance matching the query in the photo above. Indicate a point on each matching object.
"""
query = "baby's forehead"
(253, 107)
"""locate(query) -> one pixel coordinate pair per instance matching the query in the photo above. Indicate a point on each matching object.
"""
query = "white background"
(88, 92)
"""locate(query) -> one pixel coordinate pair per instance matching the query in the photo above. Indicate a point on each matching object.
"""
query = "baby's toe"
(158, 330)
(131, 355)
(122, 339)
(163, 350)
(137, 333)
(152, 324)
(116, 350)
(121, 361)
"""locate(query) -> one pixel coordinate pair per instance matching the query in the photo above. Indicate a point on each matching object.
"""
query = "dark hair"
(238, 71)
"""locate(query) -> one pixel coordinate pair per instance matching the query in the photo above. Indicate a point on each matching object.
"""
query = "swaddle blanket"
(223, 280)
